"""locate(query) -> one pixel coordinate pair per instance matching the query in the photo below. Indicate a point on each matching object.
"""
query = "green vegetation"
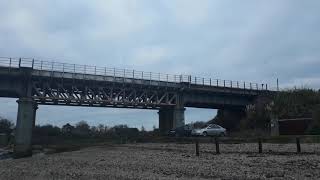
(302, 103)
(297, 103)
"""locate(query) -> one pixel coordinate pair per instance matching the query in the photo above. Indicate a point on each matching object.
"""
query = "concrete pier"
(35, 114)
(171, 117)
(23, 133)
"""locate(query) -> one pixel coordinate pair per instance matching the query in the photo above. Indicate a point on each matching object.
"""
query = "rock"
(308, 175)
(275, 174)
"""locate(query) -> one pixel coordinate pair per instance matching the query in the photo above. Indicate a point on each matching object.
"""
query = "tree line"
(80, 129)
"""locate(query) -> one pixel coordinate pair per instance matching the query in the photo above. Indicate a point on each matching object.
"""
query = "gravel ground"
(170, 161)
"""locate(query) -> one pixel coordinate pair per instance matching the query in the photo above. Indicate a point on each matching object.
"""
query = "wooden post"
(197, 147)
(216, 139)
(260, 145)
(150, 77)
(167, 81)
(52, 65)
(298, 145)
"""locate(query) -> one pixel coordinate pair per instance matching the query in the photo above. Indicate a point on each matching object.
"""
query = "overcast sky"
(248, 40)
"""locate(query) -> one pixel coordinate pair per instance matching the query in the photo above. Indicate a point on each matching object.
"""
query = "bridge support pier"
(170, 117)
(230, 118)
(25, 122)
(35, 108)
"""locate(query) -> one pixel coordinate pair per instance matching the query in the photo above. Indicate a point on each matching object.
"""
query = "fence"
(217, 141)
(126, 73)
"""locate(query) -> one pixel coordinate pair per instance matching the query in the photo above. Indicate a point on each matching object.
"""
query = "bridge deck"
(75, 85)
(65, 70)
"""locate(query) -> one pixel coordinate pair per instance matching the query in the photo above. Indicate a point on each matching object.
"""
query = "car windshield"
(213, 126)
(204, 126)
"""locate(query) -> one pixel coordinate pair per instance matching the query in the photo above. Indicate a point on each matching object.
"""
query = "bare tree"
(6, 126)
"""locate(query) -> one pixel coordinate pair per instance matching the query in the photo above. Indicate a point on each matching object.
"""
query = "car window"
(215, 126)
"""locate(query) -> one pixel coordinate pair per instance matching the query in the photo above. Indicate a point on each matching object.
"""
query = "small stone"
(308, 175)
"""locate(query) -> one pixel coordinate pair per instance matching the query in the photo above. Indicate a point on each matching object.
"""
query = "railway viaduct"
(35, 82)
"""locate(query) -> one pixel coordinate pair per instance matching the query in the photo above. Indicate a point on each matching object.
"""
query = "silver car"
(210, 130)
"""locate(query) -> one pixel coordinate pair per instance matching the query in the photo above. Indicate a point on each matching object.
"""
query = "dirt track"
(169, 161)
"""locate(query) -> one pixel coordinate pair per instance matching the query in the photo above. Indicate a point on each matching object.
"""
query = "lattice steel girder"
(85, 94)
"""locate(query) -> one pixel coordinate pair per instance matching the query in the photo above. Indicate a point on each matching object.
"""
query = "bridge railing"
(126, 73)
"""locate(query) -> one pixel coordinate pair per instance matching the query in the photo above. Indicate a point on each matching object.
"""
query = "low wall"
(294, 126)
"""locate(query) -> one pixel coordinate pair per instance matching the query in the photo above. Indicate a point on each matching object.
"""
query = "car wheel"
(205, 134)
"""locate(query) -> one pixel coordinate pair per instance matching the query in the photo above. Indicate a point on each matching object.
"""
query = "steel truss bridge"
(37, 82)
(54, 83)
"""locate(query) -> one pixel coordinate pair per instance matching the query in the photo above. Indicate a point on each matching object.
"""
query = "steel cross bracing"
(57, 92)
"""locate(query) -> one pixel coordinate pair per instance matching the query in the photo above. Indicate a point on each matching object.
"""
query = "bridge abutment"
(170, 117)
(25, 123)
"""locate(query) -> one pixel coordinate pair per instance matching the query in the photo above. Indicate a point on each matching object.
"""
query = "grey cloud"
(239, 40)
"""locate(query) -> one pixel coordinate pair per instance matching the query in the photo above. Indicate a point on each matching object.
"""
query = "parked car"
(210, 130)
(181, 131)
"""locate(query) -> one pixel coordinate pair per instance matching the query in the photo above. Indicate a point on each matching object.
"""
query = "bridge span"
(36, 82)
